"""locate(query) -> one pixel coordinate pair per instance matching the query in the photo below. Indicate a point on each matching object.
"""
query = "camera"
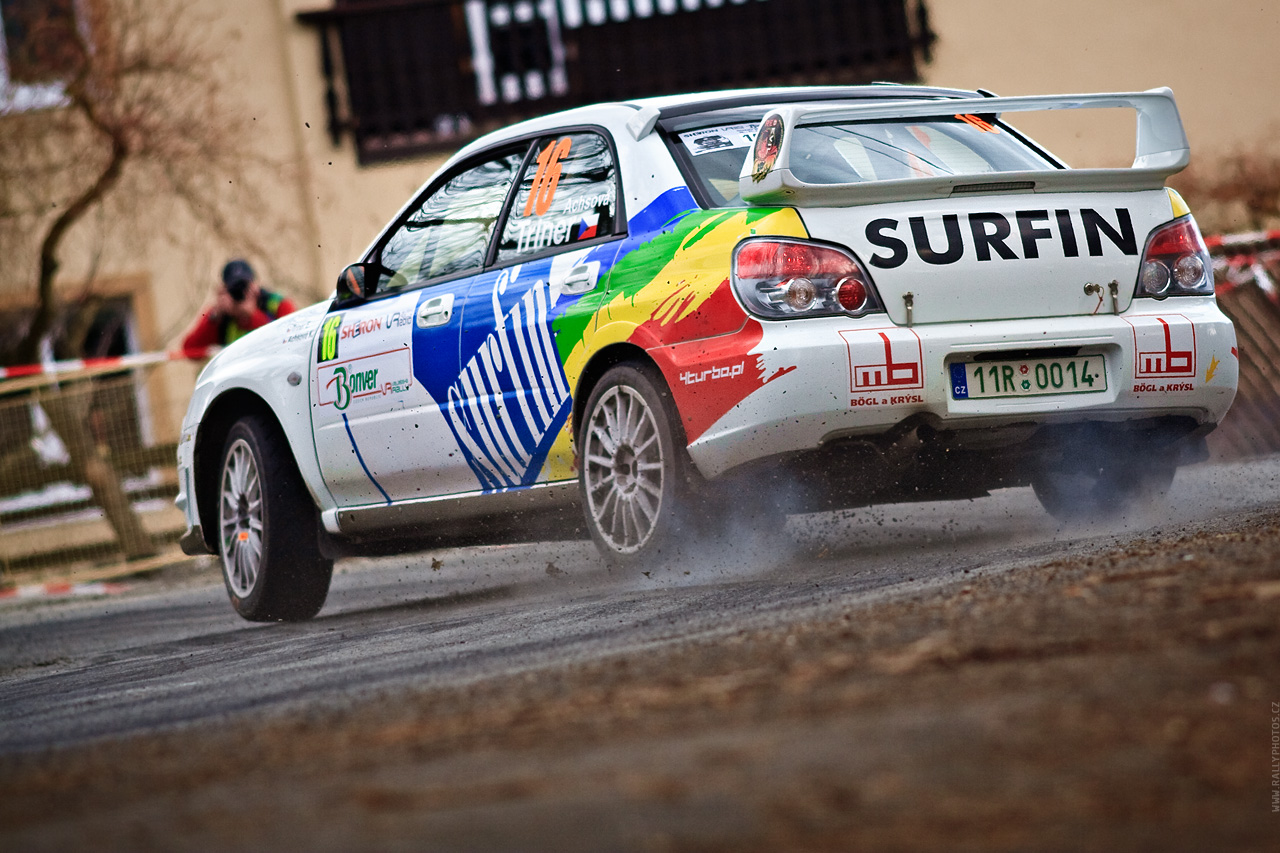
(238, 288)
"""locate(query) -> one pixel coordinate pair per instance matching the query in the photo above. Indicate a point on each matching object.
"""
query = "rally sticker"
(719, 138)
(890, 359)
(547, 177)
(1164, 346)
(342, 383)
(768, 144)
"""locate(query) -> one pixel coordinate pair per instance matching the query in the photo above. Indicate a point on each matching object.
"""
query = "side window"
(449, 232)
(568, 194)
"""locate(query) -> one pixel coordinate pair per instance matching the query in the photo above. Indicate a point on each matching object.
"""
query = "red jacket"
(215, 329)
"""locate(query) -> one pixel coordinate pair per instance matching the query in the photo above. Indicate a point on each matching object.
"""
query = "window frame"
(684, 160)
(16, 98)
(375, 253)
(619, 230)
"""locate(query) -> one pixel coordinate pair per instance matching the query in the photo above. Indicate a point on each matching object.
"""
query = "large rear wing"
(767, 178)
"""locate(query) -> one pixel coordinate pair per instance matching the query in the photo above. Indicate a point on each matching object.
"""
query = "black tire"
(1087, 492)
(635, 472)
(268, 537)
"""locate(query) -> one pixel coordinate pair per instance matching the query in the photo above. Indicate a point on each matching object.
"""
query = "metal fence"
(87, 462)
(1246, 267)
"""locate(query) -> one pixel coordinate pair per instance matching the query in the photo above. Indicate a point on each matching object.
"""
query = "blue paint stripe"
(367, 472)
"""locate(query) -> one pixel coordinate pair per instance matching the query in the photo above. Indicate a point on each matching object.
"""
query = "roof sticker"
(980, 124)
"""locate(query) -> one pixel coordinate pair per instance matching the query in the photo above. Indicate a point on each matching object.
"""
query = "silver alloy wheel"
(240, 518)
(624, 469)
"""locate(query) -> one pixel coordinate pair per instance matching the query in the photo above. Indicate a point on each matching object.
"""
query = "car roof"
(679, 105)
(675, 111)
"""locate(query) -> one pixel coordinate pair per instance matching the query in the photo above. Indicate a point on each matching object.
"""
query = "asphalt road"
(168, 654)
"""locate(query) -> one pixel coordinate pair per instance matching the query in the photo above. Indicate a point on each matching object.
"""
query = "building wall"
(1219, 58)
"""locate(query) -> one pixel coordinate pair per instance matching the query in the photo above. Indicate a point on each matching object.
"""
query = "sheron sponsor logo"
(361, 327)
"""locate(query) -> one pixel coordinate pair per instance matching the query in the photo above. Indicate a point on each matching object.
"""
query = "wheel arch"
(221, 414)
(597, 367)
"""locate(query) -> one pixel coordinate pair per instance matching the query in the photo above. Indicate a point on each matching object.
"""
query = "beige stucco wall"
(1220, 58)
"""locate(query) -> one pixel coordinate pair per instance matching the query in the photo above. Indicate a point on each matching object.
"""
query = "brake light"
(793, 278)
(1175, 262)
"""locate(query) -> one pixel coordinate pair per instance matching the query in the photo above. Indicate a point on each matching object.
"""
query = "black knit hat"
(237, 274)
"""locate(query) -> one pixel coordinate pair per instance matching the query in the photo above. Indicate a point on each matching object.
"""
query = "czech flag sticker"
(588, 226)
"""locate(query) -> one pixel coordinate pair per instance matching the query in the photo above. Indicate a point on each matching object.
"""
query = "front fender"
(272, 365)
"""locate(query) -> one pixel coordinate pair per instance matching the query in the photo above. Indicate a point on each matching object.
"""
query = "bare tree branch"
(150, 135)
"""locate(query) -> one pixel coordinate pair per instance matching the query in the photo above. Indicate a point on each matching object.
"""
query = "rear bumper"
(823, 380)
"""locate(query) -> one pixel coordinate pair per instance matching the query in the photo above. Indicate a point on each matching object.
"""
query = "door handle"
(581, 278)
(436, 311)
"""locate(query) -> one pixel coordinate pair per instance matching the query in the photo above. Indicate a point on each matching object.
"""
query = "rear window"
(849, 153)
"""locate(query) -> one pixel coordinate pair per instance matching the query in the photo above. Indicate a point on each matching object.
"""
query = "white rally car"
(784, 300)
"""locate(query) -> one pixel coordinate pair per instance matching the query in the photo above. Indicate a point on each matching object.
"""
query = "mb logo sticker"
(888, 359)
(1164, 345)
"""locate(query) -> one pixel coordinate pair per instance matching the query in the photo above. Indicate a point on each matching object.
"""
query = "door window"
(568, 196)
(448, 233)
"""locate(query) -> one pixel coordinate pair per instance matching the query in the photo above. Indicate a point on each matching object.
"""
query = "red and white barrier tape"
(1240, 259)
(79, 365)
(1224, 243)
(60, 589)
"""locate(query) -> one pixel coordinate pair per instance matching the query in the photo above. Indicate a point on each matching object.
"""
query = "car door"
(525, 317)
(380, 433)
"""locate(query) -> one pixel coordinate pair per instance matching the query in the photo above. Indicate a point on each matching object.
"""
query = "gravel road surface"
(966, 675)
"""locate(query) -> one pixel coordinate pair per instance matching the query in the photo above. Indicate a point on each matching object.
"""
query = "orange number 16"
(547, 177)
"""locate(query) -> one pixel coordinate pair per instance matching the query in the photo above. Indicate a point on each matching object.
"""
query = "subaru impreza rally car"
(784, 300)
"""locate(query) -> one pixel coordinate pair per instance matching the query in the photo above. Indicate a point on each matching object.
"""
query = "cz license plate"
(1032, 377)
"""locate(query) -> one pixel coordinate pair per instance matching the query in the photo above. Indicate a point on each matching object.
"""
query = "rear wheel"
(267, 528)
(1092, 491)
(634, 467)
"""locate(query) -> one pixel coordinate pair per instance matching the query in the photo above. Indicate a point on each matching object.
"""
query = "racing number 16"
(547, 178)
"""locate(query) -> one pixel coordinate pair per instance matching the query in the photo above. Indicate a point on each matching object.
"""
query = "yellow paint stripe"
(1179, 206)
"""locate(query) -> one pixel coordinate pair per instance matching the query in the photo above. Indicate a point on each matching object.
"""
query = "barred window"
(38, 53)
(406, 76)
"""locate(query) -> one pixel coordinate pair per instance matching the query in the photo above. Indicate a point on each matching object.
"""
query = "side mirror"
(355, 283)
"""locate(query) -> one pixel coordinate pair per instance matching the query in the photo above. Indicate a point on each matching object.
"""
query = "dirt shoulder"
(1120, 701)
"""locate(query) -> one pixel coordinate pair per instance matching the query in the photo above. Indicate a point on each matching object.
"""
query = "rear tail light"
(1176, 262)
(779, 279)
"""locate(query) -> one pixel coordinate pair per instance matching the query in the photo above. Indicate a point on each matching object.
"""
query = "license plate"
(1031, 377)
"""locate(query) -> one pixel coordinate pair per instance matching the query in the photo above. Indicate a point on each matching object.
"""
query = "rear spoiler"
(1162, 150)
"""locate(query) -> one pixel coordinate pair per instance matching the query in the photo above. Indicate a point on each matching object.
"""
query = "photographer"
(240, 307)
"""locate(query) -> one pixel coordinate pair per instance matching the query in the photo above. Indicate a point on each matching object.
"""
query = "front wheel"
(634, 467)
(268, 536)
